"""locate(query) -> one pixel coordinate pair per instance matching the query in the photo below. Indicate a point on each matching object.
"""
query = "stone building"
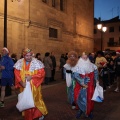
(48, 25)
(110, 38)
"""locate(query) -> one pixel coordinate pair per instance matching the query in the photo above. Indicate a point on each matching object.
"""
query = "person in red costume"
(32, 70)
(84, 91)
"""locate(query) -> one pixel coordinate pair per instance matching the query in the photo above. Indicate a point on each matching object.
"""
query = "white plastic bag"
(68, 79)
(98, 94)
(25, 99)
(68, 75)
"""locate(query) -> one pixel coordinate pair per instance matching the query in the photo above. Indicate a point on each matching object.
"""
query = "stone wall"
(29, 22)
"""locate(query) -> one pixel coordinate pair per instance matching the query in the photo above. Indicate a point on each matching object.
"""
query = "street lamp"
(102, 29)
(8, 92)
(5, 21)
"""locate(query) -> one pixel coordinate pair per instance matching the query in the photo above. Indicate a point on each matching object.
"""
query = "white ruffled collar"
(82, 67)
(34, 65)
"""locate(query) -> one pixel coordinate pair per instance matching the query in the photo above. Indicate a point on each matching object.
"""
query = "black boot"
(90, 116)
(78, 115)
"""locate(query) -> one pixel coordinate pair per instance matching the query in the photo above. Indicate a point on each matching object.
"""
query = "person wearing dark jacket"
(62, 63)
(6, 67)
(105, 76)
(38, 56)
(117, 71)
(14, 57)
(54, 66)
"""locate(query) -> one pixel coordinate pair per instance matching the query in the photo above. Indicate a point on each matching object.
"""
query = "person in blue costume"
(70, 82)
(81, 76)
(7, 78)
(89, 72)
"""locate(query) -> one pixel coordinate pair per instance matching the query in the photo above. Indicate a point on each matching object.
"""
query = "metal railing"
(113, 44)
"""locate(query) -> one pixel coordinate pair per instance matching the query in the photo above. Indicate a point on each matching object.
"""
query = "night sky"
(106, 9)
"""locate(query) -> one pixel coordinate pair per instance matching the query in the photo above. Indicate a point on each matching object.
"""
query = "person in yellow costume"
(32, 70)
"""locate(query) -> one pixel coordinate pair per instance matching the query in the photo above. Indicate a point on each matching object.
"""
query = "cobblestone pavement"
(55, 98)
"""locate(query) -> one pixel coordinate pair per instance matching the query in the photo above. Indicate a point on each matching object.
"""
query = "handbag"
(98, 94)
(25, 98)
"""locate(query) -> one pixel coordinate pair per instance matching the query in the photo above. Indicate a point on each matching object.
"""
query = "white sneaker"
(73, 107)
(41, 118)
(104, 90)
(2, 104)
(116, 90)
